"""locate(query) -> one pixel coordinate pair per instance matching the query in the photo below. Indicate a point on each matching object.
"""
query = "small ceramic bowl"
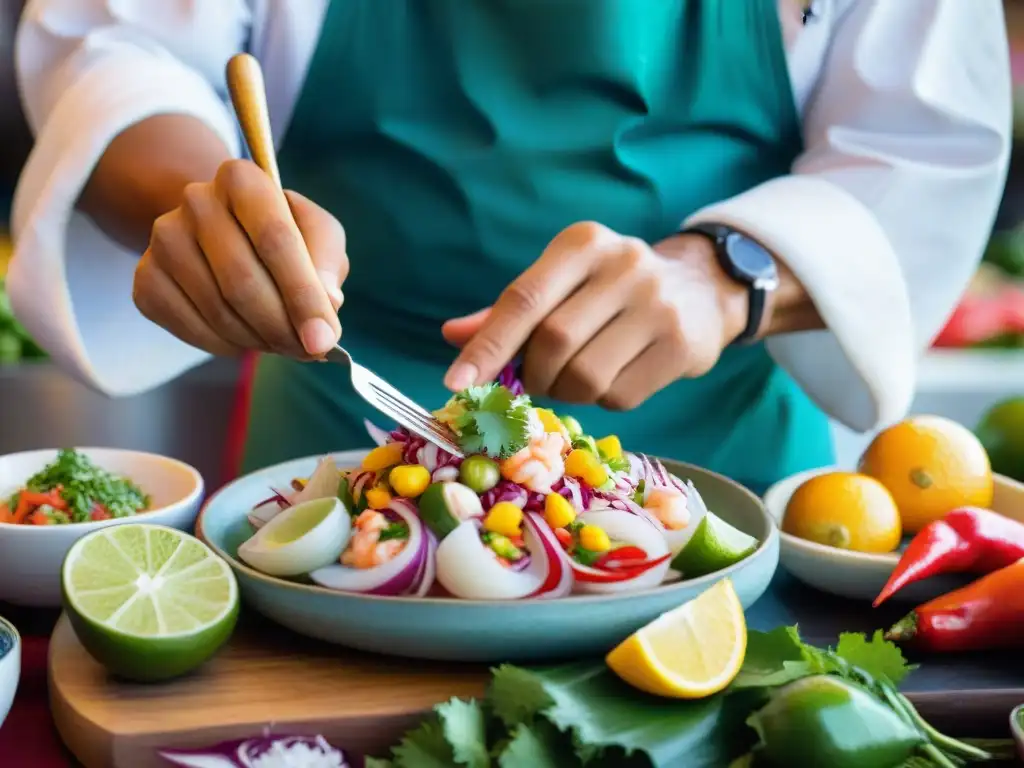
(475, 630)
(31, 556)
(10, 666)
(860, 575)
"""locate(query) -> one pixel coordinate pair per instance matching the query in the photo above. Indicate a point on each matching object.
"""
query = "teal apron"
(455, 138)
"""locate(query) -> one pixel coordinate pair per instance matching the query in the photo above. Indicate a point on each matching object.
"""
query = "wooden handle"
(249, 97)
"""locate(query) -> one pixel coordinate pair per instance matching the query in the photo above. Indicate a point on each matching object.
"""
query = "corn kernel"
(382, 457)
(610, 447)
(558, 512)
(548, 420)
(409, 480)
(594, 539)
(377, 498)
(584, 465)
(504, 518)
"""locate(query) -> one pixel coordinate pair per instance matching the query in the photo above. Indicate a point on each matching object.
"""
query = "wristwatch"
(747, 262)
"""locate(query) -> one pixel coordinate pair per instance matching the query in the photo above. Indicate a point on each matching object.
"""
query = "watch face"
(749, 258)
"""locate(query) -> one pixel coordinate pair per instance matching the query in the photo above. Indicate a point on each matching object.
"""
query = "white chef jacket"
(906, 115)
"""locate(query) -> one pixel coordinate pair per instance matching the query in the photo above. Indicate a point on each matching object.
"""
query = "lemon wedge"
(690, 652)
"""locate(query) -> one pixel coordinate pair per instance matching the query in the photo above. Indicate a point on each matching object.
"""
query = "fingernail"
(317, 336)
(461, 376)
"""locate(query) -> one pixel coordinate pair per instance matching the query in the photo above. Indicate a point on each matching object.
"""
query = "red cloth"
(28, 738)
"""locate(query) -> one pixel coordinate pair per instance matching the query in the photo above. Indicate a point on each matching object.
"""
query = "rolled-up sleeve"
(89, 69)
(886, 214)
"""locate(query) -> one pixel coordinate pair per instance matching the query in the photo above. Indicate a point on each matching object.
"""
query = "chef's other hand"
(240, 266)
(603, 318)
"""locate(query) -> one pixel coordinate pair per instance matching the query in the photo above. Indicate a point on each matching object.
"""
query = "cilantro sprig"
(489, 419)
(582, 716)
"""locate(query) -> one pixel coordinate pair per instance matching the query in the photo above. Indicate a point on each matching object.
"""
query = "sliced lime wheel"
(148, 602)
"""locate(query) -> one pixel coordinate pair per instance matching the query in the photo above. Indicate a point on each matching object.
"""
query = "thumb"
(325, 240)
(460, 330)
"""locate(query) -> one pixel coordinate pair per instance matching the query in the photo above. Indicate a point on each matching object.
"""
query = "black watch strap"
(719, 235)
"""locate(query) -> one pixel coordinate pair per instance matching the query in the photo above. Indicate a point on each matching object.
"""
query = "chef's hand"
(603, 318)
(240, 266)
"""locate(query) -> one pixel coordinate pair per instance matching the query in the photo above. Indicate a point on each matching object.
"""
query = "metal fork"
(248, 95)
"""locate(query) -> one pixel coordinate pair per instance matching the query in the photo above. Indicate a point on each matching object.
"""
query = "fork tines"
(416, 418)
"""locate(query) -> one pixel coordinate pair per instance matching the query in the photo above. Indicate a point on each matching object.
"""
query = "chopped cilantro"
(618, 464)
(586, 556)
(489, 420)
(394, 531)
(84, 485)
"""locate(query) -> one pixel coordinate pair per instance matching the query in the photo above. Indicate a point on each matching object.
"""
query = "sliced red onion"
(378, 435)
(359, 482)
(631, 530)
(508, 491)
(558, 581)
(306, 751)
(267, 510)
(429, 574)
(467, 567)
(447, 474)
(323, 483)
(395, 577)
(575, 495)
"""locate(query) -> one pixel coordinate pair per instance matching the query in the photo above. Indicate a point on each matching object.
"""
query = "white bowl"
(10, 666)
(31, 555)
(860, 575)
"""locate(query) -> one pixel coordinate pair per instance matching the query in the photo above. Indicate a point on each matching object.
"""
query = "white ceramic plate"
(31, 556)
(860, 575)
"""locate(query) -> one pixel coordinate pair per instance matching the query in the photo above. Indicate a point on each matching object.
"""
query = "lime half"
(148, 602)
(715, 545)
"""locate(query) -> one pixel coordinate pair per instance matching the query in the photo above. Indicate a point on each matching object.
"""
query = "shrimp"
(539, 465)
(668, 505)
(365, 550)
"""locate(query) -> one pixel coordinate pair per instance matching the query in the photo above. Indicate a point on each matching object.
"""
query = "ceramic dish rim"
(193, 496)
(7, 626)
(890, 559)
(314, 589)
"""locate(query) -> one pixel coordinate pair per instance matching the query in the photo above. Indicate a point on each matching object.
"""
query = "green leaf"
(374, 762)
(601, 711)
(492, 420)
(878, 657)
(424, 747)
(465, 729)
(537, 746)
(772, 659)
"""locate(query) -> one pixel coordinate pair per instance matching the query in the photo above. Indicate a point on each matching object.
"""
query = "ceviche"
(72, 489)
(536, 509)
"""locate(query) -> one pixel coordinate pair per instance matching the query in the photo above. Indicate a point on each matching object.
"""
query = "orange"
(931, 466)
(845, 510)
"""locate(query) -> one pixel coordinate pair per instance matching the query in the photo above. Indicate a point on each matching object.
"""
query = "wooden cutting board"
(265, 678)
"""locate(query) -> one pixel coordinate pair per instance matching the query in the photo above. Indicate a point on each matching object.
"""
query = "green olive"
(479, 473)
(572, 426)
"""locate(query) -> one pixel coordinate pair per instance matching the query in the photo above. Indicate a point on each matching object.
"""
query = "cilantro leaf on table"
(491, 420)
(465, 729)
(600, 711)
(772, 659)
(539, 745)
(878, 657)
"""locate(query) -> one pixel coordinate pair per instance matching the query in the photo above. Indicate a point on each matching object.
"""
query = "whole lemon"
(844, 510)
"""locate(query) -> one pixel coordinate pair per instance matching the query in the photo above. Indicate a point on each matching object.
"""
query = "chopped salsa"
(72, 489)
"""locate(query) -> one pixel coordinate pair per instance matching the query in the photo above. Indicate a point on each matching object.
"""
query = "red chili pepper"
(620, 574)
(28, 501)
(564, 537)
(616, 558)
(967, 540)
(99, 512)
(985, 615)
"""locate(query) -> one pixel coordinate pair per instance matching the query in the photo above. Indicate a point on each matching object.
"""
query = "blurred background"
(978, 360)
